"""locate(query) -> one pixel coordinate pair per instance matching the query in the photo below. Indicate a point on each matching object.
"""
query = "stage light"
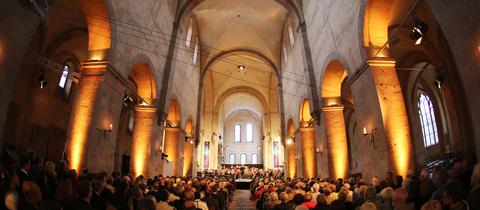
(42, 81)
(126, 99)
(418, 31)
(438, 81)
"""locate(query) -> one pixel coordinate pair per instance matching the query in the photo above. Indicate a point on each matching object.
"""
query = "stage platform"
(243, 183)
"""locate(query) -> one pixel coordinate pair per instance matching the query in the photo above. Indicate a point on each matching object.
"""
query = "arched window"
(254, 159)
(249, 133)
(243, 158)
(65, 82)
(188, 39)
(236, 132)
(290, 35)
(195, 52)
(427, 120)
(231, 159)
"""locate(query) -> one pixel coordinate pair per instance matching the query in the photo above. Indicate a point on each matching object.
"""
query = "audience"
(32, 183)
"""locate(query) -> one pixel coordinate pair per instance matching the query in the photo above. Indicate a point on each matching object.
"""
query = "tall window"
(427, 120)
(188, 39)
(231, 158)
(254, 159)
(65, 82)
(236, 132)
(249, 133)
(290, 35)
(195, 52)
(243, 158)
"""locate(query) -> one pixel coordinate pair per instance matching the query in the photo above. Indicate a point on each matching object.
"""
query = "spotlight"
(42, 81)
(191, 141)
(438, 81)
(418, 31)
(164, 156)
(241, 67)
(126, 99)
(143, 102)
(289, 141)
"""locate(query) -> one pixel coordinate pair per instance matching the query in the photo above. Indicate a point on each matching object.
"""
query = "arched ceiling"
(248, 102)
(241, 24)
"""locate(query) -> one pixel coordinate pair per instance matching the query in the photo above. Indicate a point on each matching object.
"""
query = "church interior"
(241, 104)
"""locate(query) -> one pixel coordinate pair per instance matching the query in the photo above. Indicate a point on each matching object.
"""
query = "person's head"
(308, 196)
(399, 196)
(387, 193)
(316, 187)
(25, 163)
(64, 190)
(50, 168)
(163, 195)
(321, 199)
(32, 192)
(283, 196)
(189, 196)
(97, 186)
(197, 195)
(453, 193)
(342, 195)
(84, 190)
(148, 203)
(475, 179)
(298, 199)
(12, 179)
(369, 193)
(432, 205)
(274, 196)
(368, 206)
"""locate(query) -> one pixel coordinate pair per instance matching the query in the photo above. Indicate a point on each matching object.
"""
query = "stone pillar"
(82, 112)
(142, 138)
(291, 160)
(171, 147)
(309, 158)
(188, 157)
(337, 147)
(394, 114)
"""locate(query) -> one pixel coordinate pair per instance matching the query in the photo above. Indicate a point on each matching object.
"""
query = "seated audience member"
(432, 205)
(32, 196)
(321, 203)
(474, 196)
(399, 200)
(453, 196)
(84, 192)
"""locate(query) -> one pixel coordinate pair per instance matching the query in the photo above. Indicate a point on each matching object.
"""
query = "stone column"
(171, 147)
(188, 157)
(291, 160)
(394, 114)
(82, 112)
(142, 138)
(337, 147)
(309, 158)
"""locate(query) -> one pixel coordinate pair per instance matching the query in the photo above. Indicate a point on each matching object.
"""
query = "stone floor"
(241, 201)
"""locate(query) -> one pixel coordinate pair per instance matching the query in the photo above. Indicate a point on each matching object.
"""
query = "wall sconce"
(227, 147)
(259, 148)
(105, 131)
(369, 134)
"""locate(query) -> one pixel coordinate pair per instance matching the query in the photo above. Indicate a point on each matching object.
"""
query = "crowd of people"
(28, 182)
(449, 188)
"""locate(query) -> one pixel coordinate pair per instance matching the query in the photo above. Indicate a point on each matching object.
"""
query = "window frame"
(249, 138)
(235, 133)
(428, 121)
(256, 158)
(246, 159)
(230, 158)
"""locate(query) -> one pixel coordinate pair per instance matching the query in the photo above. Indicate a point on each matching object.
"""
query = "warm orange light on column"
(142, 138)
(171, 147)
(394, 114)
(187, 158)
(336, 141)
(292, 162)
(309, 158)
(82, 111)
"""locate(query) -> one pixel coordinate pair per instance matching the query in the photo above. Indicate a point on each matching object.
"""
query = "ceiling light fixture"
(418, 31)
(241, 67)
(42, 81)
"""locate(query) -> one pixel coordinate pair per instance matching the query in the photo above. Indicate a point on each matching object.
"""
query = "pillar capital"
(333, 108)
(145, 109)
(381, 62)
(94, 68)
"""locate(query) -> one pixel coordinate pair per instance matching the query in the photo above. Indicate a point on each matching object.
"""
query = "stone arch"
(305, 117)
(335, 129)
(240, 89)
(97, 17)
(142, 74)
(174, 113)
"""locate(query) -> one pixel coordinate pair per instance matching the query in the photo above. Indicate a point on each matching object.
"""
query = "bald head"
(32, 192)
